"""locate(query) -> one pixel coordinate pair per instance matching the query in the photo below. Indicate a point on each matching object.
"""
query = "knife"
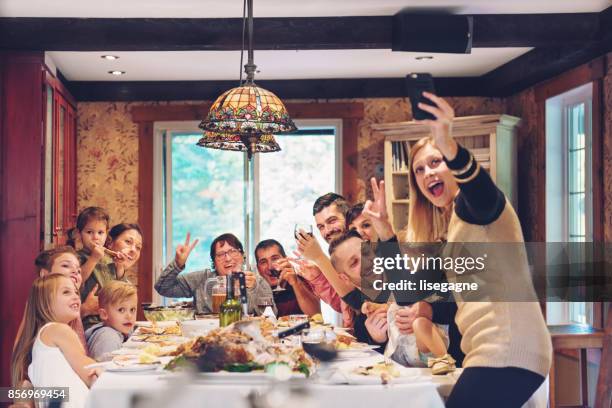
(294, 330)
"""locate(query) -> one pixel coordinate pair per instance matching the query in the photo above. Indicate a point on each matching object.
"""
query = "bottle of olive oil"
(231, 309)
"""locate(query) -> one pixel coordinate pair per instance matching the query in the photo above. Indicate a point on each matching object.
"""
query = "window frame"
(557, 110)
(582, 94)
(145, 116)
(162, 181)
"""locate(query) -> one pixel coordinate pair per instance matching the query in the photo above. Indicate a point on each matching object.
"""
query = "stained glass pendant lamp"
(247, 117)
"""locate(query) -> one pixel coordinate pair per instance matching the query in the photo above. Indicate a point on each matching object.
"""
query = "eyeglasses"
(230, 252)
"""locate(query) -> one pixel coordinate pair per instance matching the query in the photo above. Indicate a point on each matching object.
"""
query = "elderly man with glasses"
(227, 256)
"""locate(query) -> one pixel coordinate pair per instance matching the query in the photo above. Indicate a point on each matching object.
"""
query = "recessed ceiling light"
(116, 72)
(109, 57)
(423, 57)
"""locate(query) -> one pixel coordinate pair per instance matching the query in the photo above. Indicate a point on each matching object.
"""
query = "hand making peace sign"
(183, 251)
(377, 211)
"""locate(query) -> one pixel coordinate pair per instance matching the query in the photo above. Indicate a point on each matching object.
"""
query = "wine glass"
(263, 303)
(275, 271)
(315, 343)
(307, 228)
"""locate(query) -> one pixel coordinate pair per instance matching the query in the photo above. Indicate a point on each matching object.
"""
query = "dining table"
(333, 385)
(159, 388)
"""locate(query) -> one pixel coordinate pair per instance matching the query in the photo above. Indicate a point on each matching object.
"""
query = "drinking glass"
(275, 271)
(316, 344)
(262, 303)
(307, 228)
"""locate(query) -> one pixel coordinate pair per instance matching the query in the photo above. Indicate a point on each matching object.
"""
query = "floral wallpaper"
(107, 160)
(523, 105)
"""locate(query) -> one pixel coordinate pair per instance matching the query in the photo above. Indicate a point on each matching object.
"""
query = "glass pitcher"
(216, 288)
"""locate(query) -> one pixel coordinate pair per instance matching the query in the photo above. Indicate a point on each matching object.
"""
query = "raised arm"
(309, 303)
(319, 284)
(309, 247)
(376, 209)
(307, 300)
(89, 264)
(479, 201)
(170, 283)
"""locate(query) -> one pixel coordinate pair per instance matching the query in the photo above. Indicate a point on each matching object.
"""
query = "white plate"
(164, 323)
(132, 365)
(125, 352)
(169, 338)
(132, 368)
(359, 347)
(350, 354)
(343, 377)
(132, 344)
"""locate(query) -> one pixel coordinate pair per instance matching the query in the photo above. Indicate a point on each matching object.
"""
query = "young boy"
(118, 301)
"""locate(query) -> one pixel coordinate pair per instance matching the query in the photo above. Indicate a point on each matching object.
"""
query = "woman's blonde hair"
(38, 312)
(426, 222)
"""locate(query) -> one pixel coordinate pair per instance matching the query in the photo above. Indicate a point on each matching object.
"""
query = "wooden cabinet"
(59, 147)
(491, 138)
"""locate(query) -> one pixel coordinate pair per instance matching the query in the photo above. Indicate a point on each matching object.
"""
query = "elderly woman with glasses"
(227, 256)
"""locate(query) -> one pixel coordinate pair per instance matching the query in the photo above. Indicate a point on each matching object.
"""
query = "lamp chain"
(242, 48)
(250, 67)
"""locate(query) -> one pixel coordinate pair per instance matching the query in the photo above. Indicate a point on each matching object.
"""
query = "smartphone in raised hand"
(416, 84)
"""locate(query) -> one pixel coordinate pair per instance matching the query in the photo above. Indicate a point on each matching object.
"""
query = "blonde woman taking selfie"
(507, 347)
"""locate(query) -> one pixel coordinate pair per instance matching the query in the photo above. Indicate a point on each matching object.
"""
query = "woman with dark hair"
(360, 222)
(227, 256)
(125, 242)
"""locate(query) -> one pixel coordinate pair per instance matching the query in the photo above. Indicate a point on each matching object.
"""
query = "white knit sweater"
(501, 334)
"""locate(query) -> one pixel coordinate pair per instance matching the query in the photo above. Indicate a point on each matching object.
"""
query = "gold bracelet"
(471, 177)
(465, 168)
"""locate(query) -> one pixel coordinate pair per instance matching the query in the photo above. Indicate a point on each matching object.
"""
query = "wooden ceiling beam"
(279, 33)
(286, 89)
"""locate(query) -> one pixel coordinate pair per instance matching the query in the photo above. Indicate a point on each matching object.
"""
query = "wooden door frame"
(68, 201)
(594, 71)
(591, 72)
(21, 136)
(350, 113)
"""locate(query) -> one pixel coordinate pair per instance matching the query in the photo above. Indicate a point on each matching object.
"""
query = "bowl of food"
(165, 313)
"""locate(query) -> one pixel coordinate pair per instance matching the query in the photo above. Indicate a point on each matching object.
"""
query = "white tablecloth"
(120, 390)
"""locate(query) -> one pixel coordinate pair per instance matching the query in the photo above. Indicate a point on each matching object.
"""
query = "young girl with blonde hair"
(64, 261)
(48, 351)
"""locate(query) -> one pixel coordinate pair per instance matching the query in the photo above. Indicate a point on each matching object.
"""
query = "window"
(291, 180)
(569, 184)
(209, 192)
